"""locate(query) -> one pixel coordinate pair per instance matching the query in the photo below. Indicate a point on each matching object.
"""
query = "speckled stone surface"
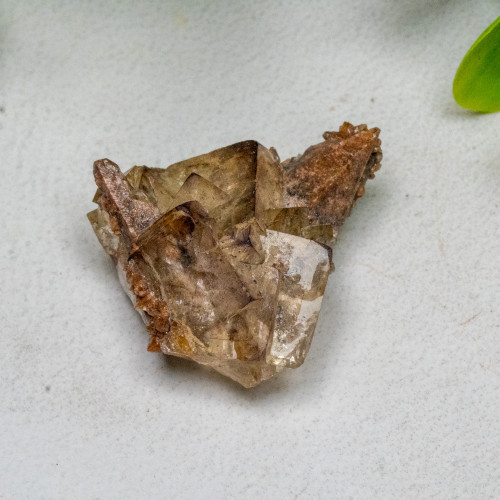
(399, 396)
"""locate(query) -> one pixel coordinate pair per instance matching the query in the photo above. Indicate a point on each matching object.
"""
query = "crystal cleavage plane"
(226, 255)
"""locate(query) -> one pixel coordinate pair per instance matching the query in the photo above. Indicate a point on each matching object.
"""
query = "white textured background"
(399, 397)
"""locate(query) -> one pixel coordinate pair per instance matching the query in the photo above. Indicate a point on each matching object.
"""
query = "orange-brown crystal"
(226, 255)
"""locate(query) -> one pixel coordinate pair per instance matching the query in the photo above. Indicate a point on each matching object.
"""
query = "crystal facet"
(226, 255)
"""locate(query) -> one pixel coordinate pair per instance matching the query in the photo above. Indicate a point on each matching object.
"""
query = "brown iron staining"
(226, 255)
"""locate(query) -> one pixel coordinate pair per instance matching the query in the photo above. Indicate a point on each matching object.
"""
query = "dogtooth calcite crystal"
(226, 255)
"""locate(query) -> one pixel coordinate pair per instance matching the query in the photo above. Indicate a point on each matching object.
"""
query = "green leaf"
(477, 82)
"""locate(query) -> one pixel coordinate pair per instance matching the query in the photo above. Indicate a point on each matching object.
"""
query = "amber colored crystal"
(226, 255)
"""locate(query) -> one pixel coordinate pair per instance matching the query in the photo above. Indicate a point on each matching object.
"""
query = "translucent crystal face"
(226, 255)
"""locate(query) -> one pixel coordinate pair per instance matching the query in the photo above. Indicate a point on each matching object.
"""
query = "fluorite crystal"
(226, 255)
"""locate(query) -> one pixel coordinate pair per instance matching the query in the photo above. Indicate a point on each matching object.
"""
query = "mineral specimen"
(226, 255)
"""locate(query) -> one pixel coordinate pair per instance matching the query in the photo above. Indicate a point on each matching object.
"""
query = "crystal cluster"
(226, 255)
